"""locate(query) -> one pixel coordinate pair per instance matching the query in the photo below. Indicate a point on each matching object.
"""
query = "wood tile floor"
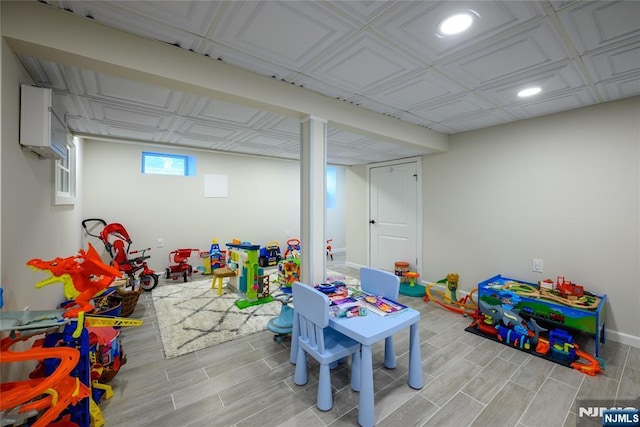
(469, 381)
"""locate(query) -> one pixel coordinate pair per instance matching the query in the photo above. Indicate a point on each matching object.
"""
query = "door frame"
(418, 161)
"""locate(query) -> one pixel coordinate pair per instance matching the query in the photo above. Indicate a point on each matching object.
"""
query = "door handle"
(372, 222)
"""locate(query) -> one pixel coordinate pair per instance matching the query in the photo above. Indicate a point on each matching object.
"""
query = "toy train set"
(509, 328)
(541, 320)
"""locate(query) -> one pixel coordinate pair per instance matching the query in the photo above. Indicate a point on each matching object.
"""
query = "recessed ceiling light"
(456, 23)
(530, 91)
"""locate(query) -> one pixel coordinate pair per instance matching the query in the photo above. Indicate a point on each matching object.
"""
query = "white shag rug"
(191, 316)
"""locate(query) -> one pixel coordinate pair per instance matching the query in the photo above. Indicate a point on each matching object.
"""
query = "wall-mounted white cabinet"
(42, 127)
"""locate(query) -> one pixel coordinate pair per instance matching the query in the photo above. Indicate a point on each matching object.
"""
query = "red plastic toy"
(84, 276)
(182, 266)
(567, 289)
(118, 244)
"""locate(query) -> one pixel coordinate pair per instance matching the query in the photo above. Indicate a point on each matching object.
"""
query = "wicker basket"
(107, 375)
(110, 372)
(108, 305)
(129, 300)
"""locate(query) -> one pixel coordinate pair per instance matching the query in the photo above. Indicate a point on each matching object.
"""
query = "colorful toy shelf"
(498, 290)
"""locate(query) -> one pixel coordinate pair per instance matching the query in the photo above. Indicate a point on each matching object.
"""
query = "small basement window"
(64, 192)
(168, 164)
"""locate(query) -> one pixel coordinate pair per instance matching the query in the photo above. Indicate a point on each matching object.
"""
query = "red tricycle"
(118, 244)
(182, 266)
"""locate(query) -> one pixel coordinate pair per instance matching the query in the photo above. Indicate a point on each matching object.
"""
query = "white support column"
(313, 165)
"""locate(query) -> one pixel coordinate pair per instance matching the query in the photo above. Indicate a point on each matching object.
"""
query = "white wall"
(357, 216)
(335, 217)
(263, 203)
(563, 188)
(30, 227)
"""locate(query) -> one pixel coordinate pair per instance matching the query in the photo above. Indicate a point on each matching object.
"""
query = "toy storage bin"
(549, 313)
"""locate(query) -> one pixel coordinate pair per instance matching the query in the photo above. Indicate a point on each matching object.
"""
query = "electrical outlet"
(160, 242)
(537, 265)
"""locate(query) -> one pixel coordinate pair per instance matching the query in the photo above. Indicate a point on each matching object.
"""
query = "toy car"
(270, 254)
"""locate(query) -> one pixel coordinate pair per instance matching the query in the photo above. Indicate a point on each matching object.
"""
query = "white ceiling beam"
(38, 30)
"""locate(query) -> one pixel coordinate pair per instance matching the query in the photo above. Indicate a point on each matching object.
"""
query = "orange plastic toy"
(411, 289)
(84, 276)
(412, 276)
(52, 394)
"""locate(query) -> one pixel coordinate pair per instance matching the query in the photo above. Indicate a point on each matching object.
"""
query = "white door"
(393, 215)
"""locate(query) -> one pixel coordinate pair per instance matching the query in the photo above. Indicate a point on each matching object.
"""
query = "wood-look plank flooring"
(469, 381)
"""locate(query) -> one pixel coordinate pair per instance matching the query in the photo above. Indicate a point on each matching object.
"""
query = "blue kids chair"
(323, 343)
(382, 283)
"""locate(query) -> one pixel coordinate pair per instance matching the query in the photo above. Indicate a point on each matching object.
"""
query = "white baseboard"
(354, 265)
(621, 337)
